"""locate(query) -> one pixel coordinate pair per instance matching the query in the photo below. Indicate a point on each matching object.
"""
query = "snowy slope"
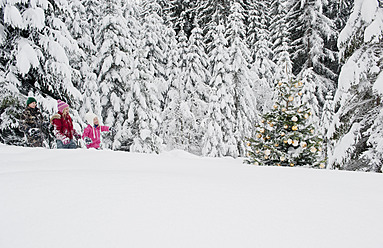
(102, 199)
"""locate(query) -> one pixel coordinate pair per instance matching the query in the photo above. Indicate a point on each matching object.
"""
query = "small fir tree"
(284, 136)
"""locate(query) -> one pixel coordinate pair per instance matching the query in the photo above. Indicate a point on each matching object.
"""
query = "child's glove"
(87, 140)
(77, 136)
(112, 130)
(66, 141)
(33, 132)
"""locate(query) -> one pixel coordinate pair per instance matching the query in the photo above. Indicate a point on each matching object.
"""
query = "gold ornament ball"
(280, 83)
(322, 165)
(294, 128)
(291, 164)
(291, 98)
(278, 164)
(267, 137)
(285, 141)
(271, 124)
(259, 136)
(266, 157)
(282, 159)
(275, 106)
(300, 93)
(262, 130)
(276, 145)
(286, 126)
(282, 134)
(283, 109)
(300, 83)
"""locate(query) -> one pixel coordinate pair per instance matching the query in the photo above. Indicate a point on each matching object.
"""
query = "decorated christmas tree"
(285, 136)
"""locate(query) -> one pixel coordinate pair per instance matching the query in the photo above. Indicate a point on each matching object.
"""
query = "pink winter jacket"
(94, 133)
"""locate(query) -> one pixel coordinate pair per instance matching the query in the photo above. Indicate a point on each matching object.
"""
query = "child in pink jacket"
(92, 133)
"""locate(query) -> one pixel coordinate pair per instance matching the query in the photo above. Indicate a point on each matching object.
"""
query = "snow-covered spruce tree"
(113, 67)
(83, 21)
(172, 116)
(326, 120)
(244, 95)
(219, 139)
(181, 15)
(309, 30)
(357, 124)
(37, 51)
(181, 124)
(147, 83)
(279, 37)
(284, 136)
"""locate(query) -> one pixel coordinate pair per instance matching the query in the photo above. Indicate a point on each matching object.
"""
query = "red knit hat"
(61, 105)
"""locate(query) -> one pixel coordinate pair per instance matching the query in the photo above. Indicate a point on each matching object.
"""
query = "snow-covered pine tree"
(147, 83)
(326, 120)
(83, 21)
(244, 95)
(113, 67)
(279, 37)
(171, 127)
(357, 124)
(38, 51)
(284, 136)
(181, 14)
(309, 30)
(219, 139)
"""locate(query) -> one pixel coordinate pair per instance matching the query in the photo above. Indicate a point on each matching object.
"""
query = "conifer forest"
(277, 82)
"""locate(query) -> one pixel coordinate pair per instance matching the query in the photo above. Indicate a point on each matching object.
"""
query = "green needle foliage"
(285, 136)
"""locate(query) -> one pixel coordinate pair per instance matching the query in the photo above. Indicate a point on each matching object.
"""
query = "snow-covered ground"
(105, 199)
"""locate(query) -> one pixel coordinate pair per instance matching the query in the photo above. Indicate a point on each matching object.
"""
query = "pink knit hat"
(61, 105)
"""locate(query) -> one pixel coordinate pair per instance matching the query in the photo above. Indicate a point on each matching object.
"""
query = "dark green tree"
(285, 135)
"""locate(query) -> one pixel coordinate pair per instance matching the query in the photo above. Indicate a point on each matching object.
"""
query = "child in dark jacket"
(32, 123)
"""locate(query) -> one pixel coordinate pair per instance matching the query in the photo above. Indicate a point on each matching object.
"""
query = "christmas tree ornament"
(256, 163)
(266, 157)
(295, 142)
(291, 164)
(278, 164)
(306, 116)
(275, 106)
(259, 136)
(294, 119)
(285, 141)
(283, 109)
(312, 131)
(276, 145)
(300, 93)
(300, 110)
(285, 126)
(282, 159)
(262, 130)
(322, 165)
(291, 98)
(313, 149)
(271, 124)
(294, 128)
(290, 141)
(282, 134)
(262, 121)
(300, 84)
(303, 144)
(280, 83)
(267, 137)
(248, 144)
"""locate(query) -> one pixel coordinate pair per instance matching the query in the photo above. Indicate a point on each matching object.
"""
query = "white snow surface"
(87, 198)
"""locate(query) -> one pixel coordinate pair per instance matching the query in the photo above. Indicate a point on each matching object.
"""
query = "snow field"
(87, 198)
